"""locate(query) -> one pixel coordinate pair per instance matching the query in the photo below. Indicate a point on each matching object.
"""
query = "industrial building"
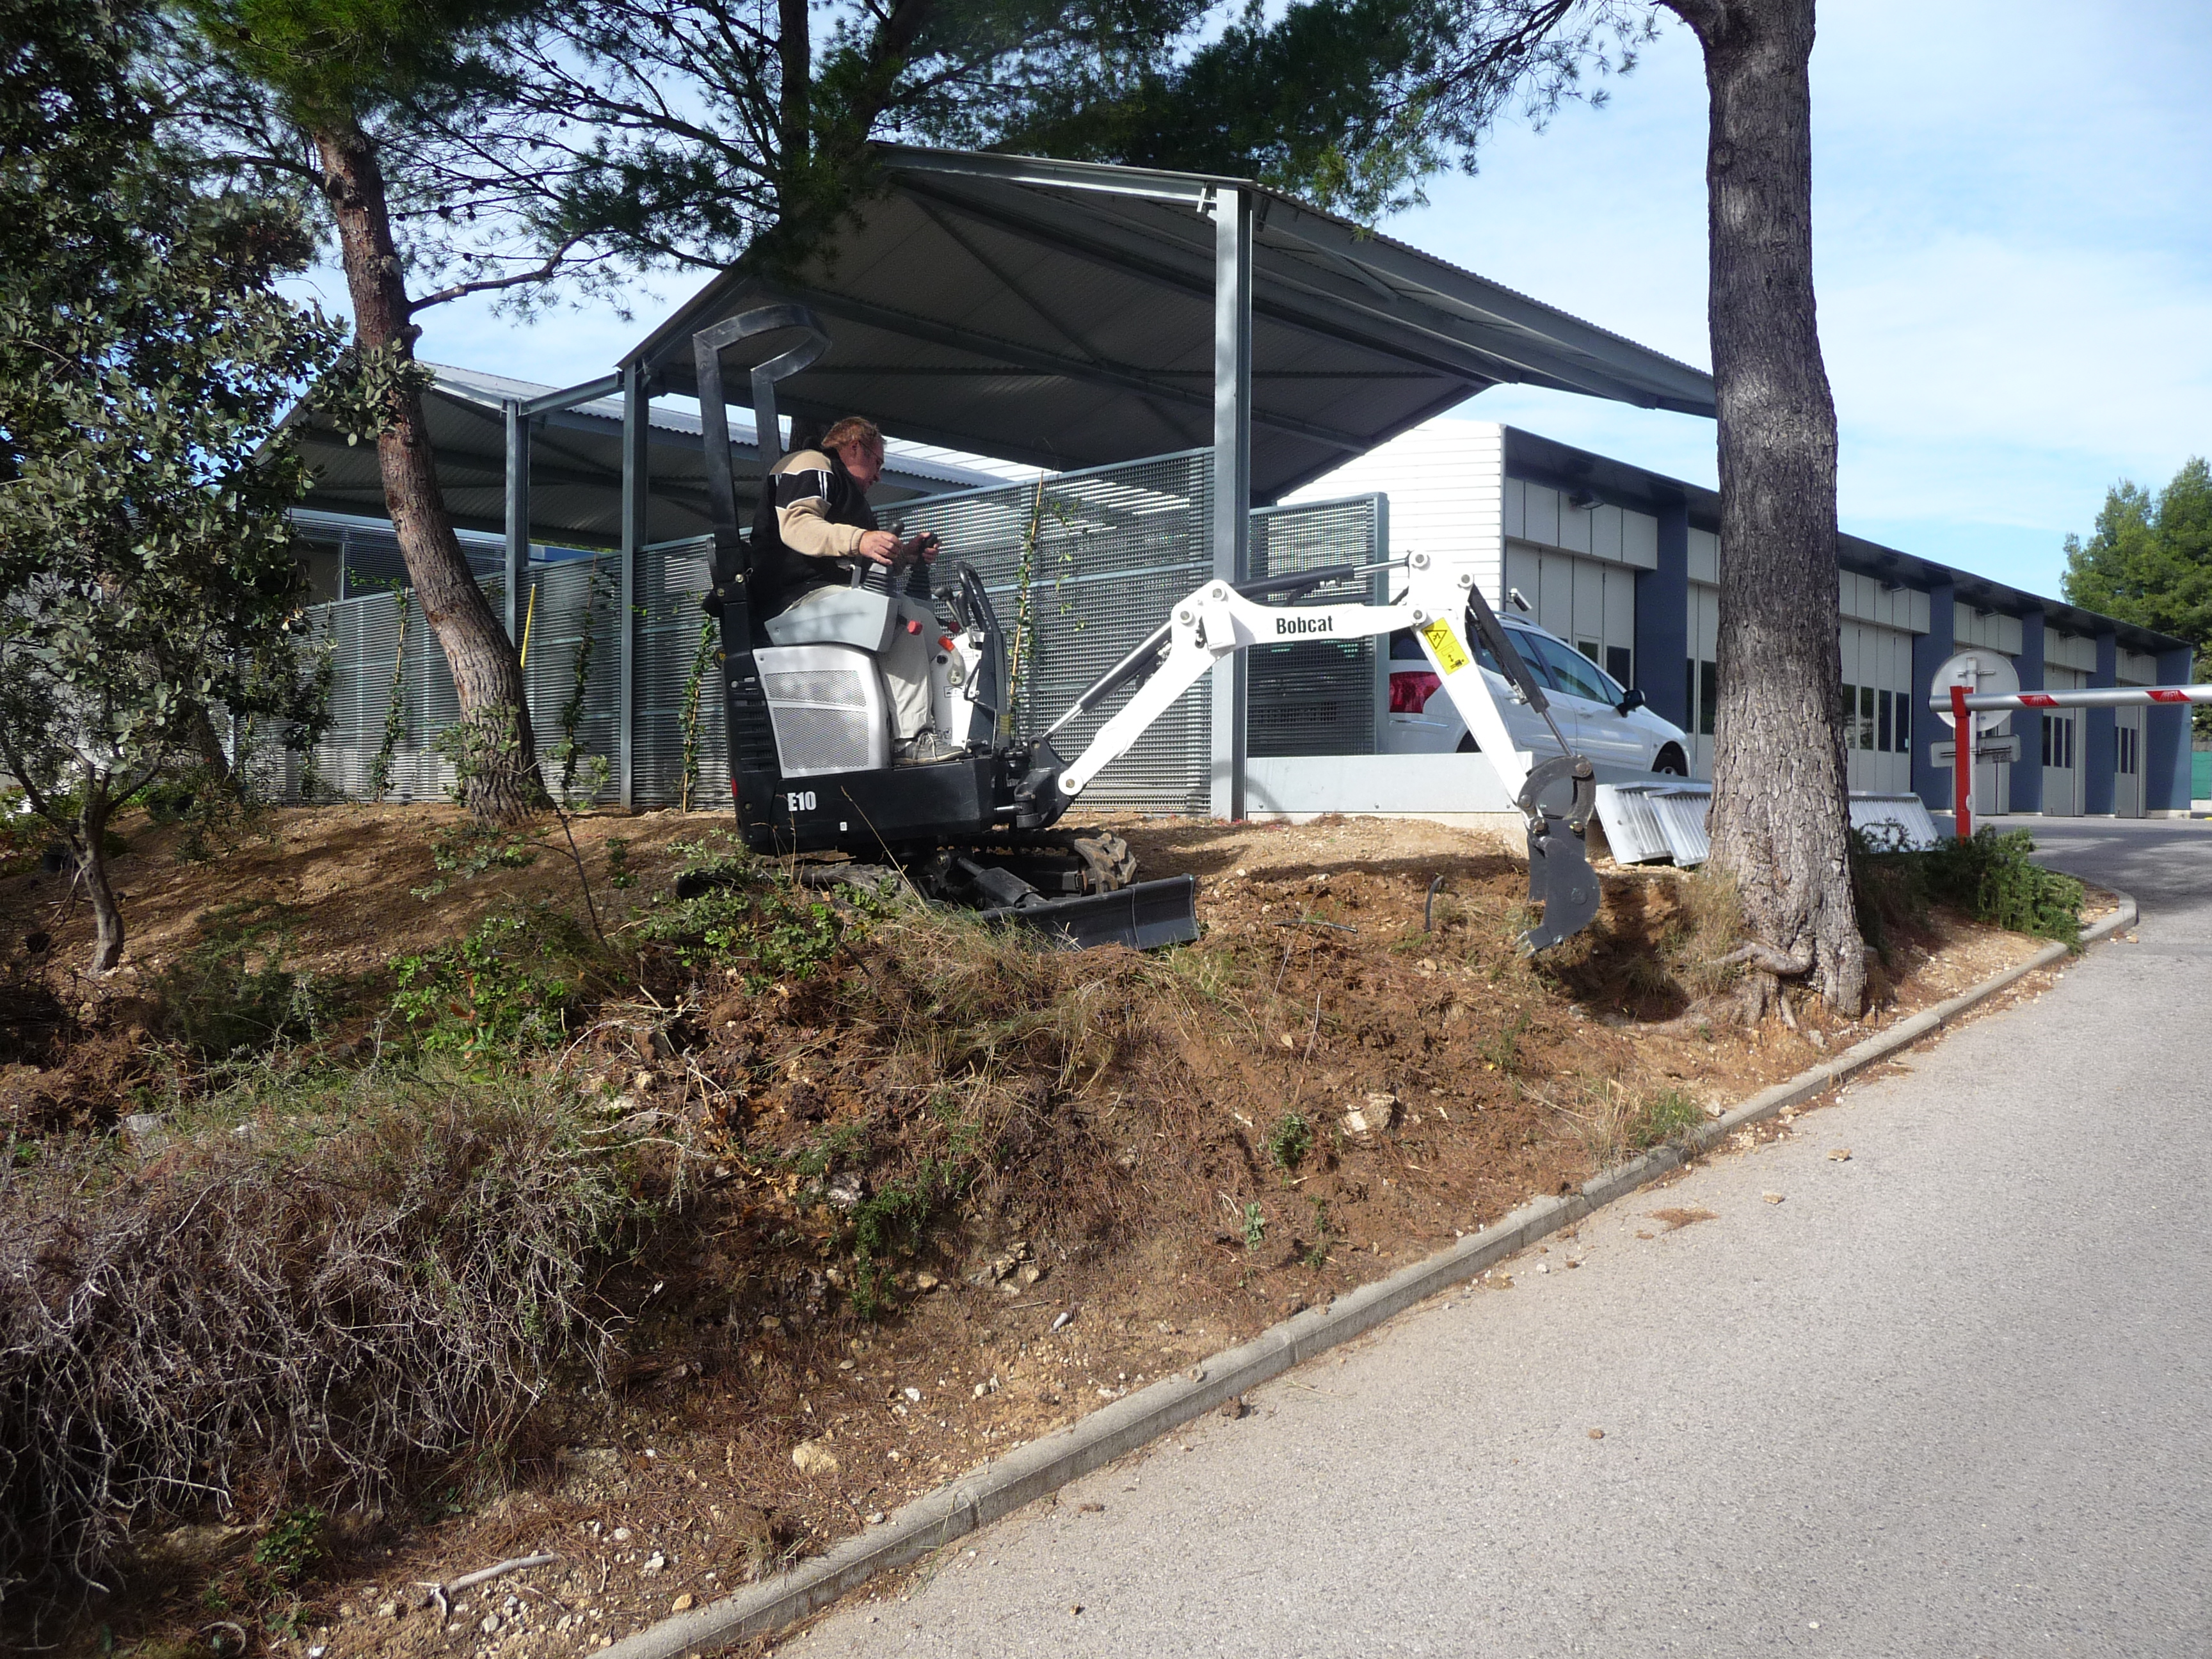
(1624, 562)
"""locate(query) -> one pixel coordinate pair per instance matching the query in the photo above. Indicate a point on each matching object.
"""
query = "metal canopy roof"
(1062, 313)
(575, 464)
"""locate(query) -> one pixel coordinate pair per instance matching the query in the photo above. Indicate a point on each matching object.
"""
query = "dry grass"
(302, 1298)
(1612, 1122)
(1711, 924)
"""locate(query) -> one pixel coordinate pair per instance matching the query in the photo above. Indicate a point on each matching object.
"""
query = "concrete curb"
(1044, 1465)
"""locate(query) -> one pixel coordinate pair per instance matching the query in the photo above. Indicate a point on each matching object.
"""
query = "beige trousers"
(904, 662)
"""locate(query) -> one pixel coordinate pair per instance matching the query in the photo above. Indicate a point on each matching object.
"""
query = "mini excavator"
(809, 723)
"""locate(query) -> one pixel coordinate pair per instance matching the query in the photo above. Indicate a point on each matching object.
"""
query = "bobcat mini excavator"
(809, 722)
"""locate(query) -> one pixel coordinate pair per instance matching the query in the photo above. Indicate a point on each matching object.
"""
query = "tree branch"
(553, 266)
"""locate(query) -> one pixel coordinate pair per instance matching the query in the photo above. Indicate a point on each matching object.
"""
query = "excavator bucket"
(1143, 916)
(1558, 800)
(1561, 880)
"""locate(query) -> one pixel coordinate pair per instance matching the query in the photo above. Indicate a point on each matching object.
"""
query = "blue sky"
(2013, 258)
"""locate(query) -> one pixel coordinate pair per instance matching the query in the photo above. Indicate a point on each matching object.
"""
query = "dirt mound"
(957, 1190)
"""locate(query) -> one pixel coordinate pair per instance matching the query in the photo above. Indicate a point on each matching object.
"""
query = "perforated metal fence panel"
(368, 658)
(1318, 697)
(1080, 566)
(572, 612)
(671, 580)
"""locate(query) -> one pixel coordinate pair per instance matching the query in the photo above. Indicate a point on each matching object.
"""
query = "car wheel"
(1671, 762)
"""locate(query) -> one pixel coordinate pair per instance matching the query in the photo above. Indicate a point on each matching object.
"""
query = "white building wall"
(1972, 627)
(1446, 482)
(2061, 740)
(1881, 725)
(2071, 651)
(1589, 602)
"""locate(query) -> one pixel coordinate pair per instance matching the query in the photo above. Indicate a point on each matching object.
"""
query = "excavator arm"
(1556, 796)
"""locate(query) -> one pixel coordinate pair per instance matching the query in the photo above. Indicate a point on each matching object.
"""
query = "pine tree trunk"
(1780, 813)
(500, 772)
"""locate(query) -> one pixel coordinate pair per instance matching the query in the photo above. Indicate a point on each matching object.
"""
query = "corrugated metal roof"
(575, 468)
(1062, 313)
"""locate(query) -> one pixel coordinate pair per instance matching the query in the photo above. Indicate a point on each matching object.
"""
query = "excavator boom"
(1557, 796)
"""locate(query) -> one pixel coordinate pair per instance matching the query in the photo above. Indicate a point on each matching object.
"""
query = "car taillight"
(1410, 693)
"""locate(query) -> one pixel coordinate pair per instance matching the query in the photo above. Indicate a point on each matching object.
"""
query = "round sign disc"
(1984, 672)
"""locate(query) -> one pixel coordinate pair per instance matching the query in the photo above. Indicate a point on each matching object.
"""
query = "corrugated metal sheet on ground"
(1680, 809)
(1876, 816)
(1645, 821)
(1631, 829)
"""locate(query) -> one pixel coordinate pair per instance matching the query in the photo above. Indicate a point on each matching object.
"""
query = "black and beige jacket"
(810, 520)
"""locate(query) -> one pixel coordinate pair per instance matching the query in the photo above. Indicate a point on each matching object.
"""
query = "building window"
(1708, 697)
(2126, 755)
(1881, 730)
(2059, 740)
(1865, 717)
(1620, 664)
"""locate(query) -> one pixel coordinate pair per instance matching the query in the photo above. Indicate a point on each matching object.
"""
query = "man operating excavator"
(814, 524)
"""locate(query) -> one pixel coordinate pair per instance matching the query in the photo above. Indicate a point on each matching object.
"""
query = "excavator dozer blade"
(1561, 880)
(1143, 916)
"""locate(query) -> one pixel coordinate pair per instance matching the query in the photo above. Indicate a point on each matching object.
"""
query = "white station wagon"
(1605, 720)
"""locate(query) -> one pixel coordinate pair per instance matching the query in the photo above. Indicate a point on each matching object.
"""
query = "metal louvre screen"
(572, 611)
(362, 638)
(671, 579)
(1318, 697)
(1081, 567)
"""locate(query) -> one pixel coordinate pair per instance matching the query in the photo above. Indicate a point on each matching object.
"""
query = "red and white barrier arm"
(2103, 696)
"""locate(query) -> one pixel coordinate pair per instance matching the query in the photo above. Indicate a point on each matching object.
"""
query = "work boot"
(922, 751)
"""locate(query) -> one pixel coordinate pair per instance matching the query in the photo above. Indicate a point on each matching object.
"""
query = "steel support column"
(518, 518)
(637, 484)
(2028, 770)
(1231, 212)
(1931, 782)
(1663, 672)
(2166, 763)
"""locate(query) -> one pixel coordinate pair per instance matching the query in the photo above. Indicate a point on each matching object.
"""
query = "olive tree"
(147, 571)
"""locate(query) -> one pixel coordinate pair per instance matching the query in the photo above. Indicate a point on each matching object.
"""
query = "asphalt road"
(1952, 1395)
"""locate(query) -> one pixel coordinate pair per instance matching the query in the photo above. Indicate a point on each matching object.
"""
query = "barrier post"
(1962, 764)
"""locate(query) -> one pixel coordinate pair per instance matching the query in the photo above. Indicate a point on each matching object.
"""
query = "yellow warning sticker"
(1451, 654)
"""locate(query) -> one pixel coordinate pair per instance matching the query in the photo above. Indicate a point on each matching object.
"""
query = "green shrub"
(756, 918)
(1289, 1142)
(893, 1222)
(233, 992)
(505, 988)
(1989, 877)
(462, 852)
